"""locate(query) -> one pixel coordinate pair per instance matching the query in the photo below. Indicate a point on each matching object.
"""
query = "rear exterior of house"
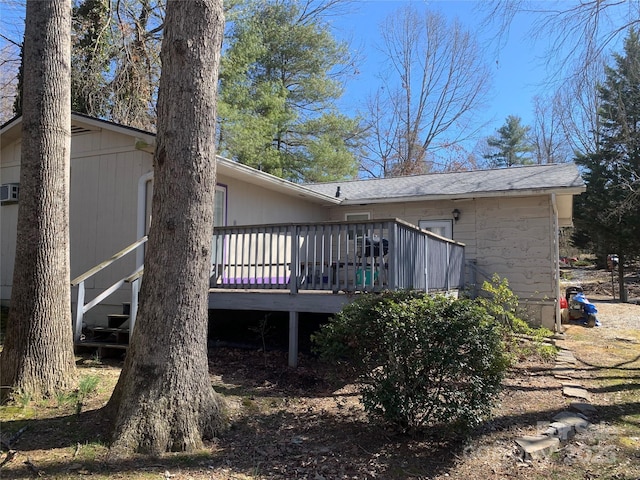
(106, 166)
(110, 202)
(510, 236)
(508, 219)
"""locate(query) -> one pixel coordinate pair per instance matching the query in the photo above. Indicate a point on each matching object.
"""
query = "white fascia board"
(11, 131)
(467, 196)
(271, 182)
(144, 140)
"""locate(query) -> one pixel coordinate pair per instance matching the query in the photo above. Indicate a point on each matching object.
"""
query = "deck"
(337, 257)
(307, 267)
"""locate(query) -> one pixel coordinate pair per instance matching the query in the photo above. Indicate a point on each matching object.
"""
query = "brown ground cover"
(308, 423)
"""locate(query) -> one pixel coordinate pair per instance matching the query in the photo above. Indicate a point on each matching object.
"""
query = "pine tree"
(511, 146)
(277, 95)
(607, 215)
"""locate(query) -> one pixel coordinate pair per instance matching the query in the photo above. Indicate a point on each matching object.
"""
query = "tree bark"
(37, 357)
(164, 399)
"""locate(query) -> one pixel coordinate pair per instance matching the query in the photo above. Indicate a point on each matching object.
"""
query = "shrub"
(521, 340)
(421, 360)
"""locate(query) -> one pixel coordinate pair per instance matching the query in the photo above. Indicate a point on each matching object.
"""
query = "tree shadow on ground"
(279, 445)
(293, 438)
(268, 374)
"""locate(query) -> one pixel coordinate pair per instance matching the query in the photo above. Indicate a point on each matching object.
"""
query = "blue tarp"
(587, 307)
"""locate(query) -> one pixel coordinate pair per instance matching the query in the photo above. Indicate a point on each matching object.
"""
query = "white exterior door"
(444, 228)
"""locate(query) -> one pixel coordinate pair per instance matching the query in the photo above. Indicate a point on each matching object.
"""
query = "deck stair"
(107, 341)
(114, 337)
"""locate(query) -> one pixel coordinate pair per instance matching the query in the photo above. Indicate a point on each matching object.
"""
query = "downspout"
(142, 215)
(141, 224)
(556, 261)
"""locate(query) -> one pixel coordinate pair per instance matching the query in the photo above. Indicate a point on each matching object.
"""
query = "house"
(508, 219)
(501, 221)
(111, 185)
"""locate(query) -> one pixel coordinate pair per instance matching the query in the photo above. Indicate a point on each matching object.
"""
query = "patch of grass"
(86, 387)
(625, 390)
(16, 412)
(22, 399)
(64, 398)
(89, 451)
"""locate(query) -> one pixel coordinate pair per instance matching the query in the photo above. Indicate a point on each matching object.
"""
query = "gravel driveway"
(615, 316)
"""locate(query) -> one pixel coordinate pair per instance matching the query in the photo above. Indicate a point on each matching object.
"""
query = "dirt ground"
(308, 423)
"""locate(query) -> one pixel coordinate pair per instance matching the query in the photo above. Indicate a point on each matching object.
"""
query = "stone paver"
(533, 447)
(585, 409)
(575, 392)
(560, 430)
(567, 423)
(563, 370)
(573, 419)
(566, 356)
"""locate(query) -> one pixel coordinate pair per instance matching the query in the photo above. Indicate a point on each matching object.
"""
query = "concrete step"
(534, 447)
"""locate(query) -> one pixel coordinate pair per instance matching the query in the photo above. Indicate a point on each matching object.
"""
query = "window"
(444, 228)
(219, 220)
(355, 217)
(220, 206)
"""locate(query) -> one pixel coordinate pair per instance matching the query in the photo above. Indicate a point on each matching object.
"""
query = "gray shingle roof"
(514, 180)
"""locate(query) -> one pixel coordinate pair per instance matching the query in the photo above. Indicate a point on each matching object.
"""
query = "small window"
(444, 228)
(355, 217)
(220, 206)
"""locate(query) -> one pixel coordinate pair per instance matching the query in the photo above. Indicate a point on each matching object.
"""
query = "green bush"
(521, 340)
(421, 360)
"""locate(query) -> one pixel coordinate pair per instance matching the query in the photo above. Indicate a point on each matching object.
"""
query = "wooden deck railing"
(370, 255)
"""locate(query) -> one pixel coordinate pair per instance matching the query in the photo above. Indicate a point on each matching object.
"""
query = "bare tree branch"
(435, 81)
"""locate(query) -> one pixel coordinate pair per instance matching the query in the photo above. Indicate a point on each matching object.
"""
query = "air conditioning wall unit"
(9, 193)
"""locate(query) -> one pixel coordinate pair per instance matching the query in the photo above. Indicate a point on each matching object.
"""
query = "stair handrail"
(82, 308)
(101, 266)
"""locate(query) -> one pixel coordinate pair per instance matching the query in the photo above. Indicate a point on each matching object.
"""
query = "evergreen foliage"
(511, 146)
(607, 215)
(278, 90)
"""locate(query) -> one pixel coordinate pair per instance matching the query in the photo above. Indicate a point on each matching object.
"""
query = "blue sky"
(518, 67)
(517, 71)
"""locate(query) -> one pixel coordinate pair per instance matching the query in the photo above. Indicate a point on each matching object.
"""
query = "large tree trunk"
(37, 358)
(164, 399)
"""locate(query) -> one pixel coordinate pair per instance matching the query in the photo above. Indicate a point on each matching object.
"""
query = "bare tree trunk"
(436, 80)
(164, 399)
(37, 358)
(621, 284)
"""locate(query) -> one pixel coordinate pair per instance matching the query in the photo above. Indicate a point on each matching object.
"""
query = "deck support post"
(293, 339)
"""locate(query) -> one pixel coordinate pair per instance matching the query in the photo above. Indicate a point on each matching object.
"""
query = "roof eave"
(469, 196)
(274, 183)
